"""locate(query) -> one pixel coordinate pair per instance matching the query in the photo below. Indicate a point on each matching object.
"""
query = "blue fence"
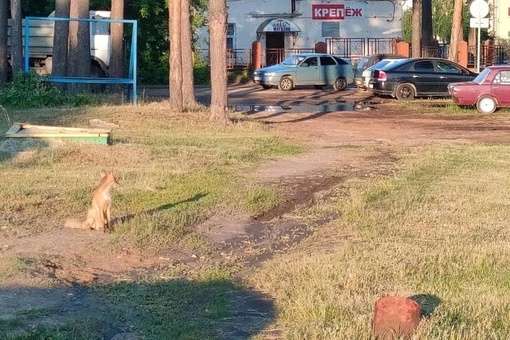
(132, 74)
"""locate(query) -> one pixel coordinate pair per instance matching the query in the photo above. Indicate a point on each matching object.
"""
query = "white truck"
(41, 44)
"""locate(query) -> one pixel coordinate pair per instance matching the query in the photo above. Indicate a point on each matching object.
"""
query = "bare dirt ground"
(334, 132)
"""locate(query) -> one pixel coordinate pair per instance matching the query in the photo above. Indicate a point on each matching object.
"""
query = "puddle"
(252, 108)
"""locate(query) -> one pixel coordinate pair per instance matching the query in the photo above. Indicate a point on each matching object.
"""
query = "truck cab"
(41, 43)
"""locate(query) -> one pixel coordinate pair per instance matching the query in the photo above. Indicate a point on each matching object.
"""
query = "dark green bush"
(31, 90)
(201, 73)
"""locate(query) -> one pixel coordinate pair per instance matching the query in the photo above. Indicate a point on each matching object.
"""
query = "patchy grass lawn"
(438, 231)
(175, 171)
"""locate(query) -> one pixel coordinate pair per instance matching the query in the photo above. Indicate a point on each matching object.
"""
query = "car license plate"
(256, 78)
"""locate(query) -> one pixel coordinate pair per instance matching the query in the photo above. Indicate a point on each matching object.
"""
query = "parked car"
(418, 77)
(368, 61)
(367, 74)
(488, 91)
(316, 69)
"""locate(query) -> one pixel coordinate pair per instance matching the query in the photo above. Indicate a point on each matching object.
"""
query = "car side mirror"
(305, 64)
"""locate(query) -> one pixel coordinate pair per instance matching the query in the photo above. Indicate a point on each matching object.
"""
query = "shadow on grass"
(149, 212)
(428, 303)
(166, 309)
(13, 147)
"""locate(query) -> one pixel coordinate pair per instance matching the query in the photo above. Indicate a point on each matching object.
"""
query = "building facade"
(500, 10)
(300, 24)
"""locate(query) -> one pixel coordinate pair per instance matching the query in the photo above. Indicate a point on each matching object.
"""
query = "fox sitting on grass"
(100, 213)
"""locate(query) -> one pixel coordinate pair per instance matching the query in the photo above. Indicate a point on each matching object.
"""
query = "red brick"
(395, 316)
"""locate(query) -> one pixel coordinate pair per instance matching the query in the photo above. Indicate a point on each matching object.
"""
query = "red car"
(488, 91)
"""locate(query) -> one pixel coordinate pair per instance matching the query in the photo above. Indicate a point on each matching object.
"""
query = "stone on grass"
(395, 317)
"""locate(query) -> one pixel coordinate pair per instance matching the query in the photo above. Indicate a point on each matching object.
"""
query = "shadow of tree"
(166, 309)
(12, 147)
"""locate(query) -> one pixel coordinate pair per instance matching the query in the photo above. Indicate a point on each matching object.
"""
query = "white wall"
(358, 19)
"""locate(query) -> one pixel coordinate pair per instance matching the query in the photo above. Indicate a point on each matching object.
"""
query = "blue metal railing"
(132, 73)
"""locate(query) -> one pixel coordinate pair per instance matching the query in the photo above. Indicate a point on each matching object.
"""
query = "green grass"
(15, 266)
(437, 229)
(174, 172)
(174, 309)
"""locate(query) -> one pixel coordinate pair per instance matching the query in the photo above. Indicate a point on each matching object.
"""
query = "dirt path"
(76, 257)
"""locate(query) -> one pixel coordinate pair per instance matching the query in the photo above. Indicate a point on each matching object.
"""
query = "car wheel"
(319, 87)
(97, 72)
(486, 105)
(266, 87)
(405, 92)
(286, 84)
(340, 84)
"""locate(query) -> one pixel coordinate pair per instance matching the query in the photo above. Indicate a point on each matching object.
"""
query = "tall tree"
(79, 39)
(456, 36)
(426, 26)
(60, 40)
(117, 33)
(16, 37)
(188, 88)
(416, 29)
(4, 65)
(218, 52)
(175, 60)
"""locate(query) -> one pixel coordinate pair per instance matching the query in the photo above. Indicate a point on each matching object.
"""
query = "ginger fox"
(99, 213)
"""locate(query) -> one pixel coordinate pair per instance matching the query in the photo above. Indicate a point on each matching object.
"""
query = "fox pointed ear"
(102, 173)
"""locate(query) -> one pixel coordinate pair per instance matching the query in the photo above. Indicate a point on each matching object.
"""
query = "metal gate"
(355, 48)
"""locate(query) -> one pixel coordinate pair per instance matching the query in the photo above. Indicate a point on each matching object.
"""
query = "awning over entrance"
(278, 25)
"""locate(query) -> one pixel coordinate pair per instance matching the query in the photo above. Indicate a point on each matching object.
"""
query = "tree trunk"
(84, 39)
(426, 25)
(416, 30)
(16, 38)
(456, 31)
(218, 52)
(60, 41)
(175, 60)
(188, 86)
(4, 65)
(79, 41)
(117, 33)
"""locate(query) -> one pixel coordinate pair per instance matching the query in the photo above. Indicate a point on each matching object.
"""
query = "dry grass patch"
(439, 229)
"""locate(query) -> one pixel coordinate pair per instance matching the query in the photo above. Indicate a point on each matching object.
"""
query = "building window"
(509, 11)
(330, 29)
(231, 34)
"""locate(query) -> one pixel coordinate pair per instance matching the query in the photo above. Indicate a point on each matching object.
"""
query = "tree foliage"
(442, 13)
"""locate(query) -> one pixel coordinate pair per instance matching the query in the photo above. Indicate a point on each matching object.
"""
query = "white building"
(300, 24)
(500, 10)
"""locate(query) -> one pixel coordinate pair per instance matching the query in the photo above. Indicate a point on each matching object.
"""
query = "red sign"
(334, 12)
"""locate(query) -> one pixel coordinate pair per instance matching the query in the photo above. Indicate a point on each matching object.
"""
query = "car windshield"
(361, 64)
(379, 65)
(480, 77)
(294, 60)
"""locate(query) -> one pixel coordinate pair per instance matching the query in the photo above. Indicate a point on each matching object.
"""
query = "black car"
(418, 77)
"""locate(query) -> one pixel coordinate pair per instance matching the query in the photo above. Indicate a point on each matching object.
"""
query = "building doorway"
(275, 48)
